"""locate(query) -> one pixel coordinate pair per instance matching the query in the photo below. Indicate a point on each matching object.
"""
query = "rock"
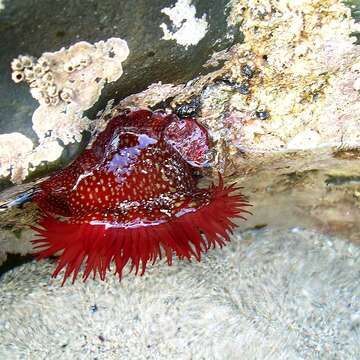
(151, 57)
(298, 161)
(270, 294)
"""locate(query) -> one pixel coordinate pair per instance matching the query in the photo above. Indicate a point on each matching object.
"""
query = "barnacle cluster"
(42, 80)
(66, 83)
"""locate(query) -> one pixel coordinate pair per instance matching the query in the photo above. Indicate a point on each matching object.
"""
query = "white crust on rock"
(186, 28)
(66, 83)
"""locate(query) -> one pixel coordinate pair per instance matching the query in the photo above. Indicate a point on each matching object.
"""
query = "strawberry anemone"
(132, 198)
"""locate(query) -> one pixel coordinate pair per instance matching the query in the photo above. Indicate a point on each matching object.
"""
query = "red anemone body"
(133, 197)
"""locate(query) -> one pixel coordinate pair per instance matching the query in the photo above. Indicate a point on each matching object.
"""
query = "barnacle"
(16, 65)
(66, 94)
(17, 76)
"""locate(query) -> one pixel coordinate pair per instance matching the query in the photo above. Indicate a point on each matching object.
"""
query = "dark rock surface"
(35, 26)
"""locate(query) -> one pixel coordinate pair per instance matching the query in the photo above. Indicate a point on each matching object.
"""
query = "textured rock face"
(270, 295)
(284, 112)
(152, 57)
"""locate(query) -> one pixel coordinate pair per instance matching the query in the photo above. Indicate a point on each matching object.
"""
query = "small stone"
(356, 195)
(188, 110)
(247, 71)
(262, 115)
(243, 88)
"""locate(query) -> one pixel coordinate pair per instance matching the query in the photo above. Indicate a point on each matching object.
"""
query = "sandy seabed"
(269, 295)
